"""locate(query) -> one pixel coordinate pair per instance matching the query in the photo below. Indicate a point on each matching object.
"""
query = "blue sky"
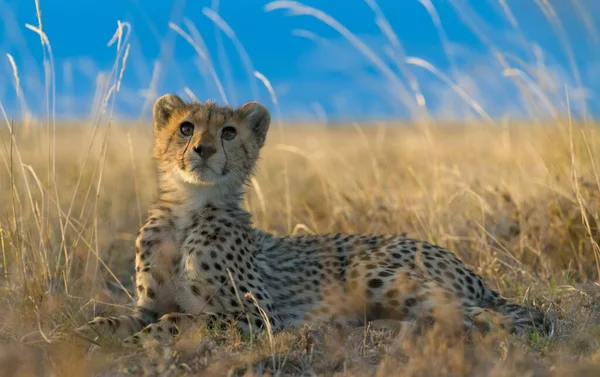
(316, 72)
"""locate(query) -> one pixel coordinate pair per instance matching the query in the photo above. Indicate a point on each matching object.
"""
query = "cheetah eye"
(186, 129)
(228, 133)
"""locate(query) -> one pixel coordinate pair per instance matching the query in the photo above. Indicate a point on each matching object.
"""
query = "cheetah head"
(208, 145)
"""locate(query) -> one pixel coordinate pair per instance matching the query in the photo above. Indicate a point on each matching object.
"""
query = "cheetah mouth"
(203, 169)
(207, 174)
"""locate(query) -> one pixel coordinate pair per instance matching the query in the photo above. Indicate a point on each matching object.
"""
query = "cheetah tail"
(520, 317)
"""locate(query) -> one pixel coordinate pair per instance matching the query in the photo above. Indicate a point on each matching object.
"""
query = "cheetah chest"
(208, 252)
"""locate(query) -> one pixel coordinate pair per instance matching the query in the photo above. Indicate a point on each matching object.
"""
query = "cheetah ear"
(164, 107)
(257, 118)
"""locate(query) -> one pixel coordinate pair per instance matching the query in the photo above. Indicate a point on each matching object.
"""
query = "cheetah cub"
(198, 255)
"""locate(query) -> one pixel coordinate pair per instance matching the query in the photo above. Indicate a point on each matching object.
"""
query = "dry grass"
(518, 203)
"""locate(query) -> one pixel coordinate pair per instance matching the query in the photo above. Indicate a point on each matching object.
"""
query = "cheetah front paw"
(160, 332)
(483, 322)
(166, 329)
(98, 328)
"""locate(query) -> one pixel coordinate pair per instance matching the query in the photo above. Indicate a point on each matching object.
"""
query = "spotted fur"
(199, 258)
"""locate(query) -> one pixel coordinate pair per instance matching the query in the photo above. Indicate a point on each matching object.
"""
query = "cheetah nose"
(205, 150)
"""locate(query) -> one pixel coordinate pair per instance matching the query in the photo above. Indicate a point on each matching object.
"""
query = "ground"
(518, 203)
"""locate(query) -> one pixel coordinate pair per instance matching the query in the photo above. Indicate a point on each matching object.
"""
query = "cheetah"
(199, 258)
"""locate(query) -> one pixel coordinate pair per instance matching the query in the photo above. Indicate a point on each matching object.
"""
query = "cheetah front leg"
(156, 258)
(170, 326)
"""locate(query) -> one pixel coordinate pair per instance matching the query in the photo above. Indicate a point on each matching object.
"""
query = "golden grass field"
(518, 203)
